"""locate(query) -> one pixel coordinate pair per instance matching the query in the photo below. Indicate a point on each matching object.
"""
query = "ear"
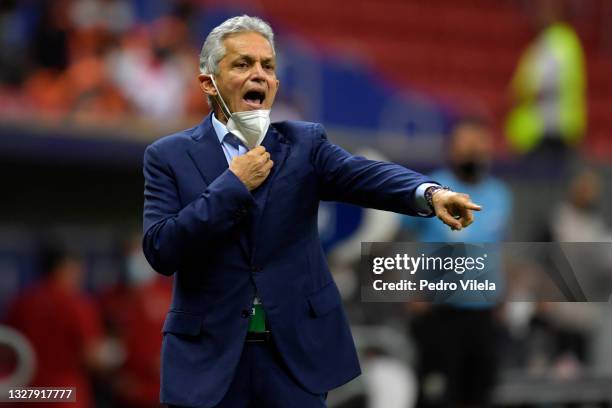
(206, 85)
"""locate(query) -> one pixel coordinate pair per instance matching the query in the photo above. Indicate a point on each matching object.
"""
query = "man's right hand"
(253, 167)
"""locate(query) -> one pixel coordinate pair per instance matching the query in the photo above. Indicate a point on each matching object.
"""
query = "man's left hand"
(454, 209)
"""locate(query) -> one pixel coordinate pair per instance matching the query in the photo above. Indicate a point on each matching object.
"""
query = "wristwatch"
(429, 193)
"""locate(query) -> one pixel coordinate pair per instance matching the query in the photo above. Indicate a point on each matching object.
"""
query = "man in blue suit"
(231, 210)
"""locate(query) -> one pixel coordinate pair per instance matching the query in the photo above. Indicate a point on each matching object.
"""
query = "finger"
(264, 158)
(472, 206)
(446, 218)
(265, 167)
(263, 174)
(257, 151)
(466, 218)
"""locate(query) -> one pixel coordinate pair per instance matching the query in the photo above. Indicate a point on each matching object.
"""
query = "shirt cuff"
(420, 202)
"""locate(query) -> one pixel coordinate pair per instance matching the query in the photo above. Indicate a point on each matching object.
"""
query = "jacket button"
(245, 313)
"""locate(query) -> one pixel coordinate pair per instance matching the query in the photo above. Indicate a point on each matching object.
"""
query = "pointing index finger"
(473, 206)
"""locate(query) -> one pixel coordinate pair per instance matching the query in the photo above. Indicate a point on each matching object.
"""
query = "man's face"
(471, 142)
(247, 73)
(471, 151)
(70, 272)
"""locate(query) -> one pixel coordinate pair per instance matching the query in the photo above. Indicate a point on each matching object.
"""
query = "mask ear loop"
(224, 108)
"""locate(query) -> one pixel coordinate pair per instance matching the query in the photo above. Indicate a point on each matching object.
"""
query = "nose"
(258, 74)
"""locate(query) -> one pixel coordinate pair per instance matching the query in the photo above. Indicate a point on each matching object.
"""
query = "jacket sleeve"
(173, 235)
(366, 183)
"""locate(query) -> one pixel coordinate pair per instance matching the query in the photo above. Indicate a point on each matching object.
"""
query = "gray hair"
(213, 49)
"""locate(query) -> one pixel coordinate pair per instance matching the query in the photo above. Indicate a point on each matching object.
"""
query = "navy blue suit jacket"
(222, 243)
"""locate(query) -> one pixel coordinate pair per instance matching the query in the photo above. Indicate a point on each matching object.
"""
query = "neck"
(219, 114)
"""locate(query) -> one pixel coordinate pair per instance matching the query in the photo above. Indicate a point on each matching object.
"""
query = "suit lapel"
(207, 153)
(208, 157)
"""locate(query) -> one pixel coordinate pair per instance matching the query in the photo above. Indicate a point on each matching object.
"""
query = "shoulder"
(174, 140)
(296, 130)
(444, 177)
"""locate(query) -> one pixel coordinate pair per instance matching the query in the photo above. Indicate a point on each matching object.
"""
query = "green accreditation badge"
(257, 322)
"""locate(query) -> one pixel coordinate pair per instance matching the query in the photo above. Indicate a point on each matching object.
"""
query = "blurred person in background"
(458, 344)
(135, 312)
(579, 219)
(560, 336)
(45, 86)
(64, 327)
(580, 211)
(68, 78)
(562, 333)
(259, 327)
(548, 91)
(51, 41)
(152, 69)
(14, 44)
(90, 62)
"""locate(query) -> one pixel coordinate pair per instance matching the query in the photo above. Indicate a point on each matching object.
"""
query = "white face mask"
(249, 126)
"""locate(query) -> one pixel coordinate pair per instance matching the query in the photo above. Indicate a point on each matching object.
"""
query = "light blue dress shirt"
(228, 149)
(230, 152)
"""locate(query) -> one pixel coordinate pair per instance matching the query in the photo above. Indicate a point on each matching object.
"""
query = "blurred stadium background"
(85, 85)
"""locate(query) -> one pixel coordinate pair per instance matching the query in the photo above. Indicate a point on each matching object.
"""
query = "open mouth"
(254, 98)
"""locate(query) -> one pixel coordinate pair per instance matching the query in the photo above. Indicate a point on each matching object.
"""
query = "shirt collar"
(220, 128)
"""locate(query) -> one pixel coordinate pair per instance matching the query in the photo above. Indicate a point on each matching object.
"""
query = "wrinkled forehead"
(250, 44)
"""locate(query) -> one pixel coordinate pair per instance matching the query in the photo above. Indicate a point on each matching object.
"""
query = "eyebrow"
(249, 58)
